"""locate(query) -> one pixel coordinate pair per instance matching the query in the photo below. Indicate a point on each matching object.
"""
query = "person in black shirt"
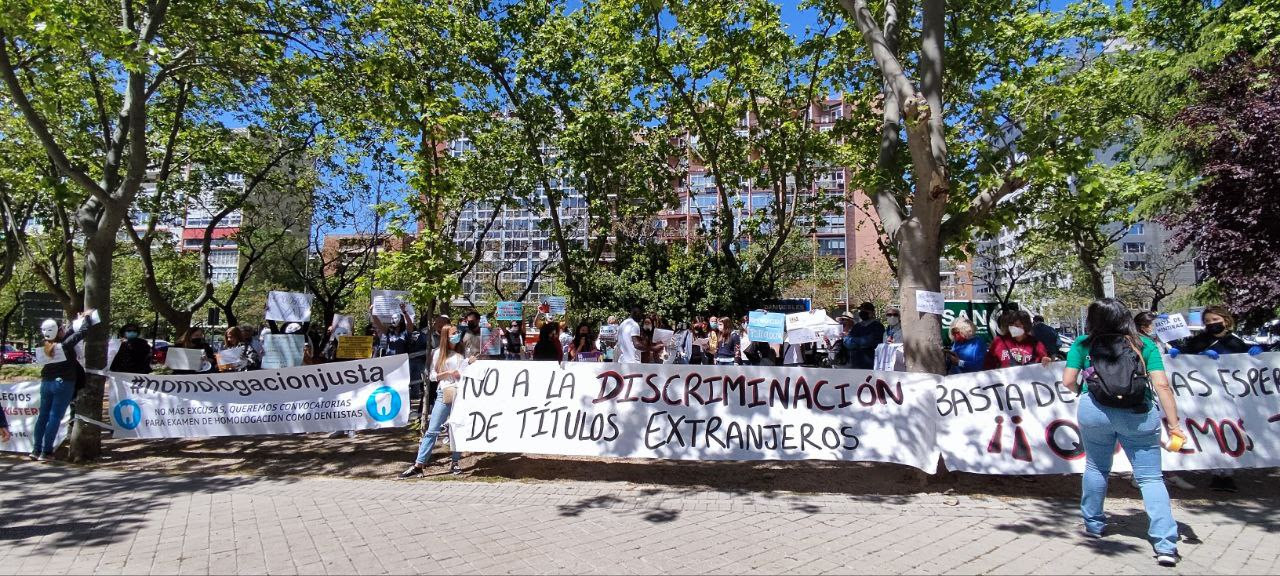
(134, 355)
(1045, 334)
(58, 378)
(514, 341)
(1217, 335)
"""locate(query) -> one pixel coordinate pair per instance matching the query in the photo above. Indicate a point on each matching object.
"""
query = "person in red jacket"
(1015, 346)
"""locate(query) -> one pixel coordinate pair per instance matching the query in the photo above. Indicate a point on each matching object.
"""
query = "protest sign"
(1171, 327)
(188, 359)
(21, 402)
(282, 350)
(288, 306)
(230, 358)
(343, 325)
(663, 336)
(689, 412)
(59, 355)
(510, 311)
(930, 302)
(93, 318)
(890, 356)
(556, 305)
(806, 327)
(1023, 420)
(319, 398)
(766, 326)
(354, 347)
(386, 304)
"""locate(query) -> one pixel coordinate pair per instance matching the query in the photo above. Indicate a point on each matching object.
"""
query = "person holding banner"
(446, 368)
(1109, 326)
(514, 341)
(548, 345)
(583, 348)
(1018, 347)
(239, 351)
(194, 339)
(58, 378)
(967, 352)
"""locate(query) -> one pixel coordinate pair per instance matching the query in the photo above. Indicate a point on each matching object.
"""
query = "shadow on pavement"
(69, 509)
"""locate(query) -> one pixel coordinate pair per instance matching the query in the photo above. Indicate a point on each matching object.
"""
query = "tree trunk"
(919, 269)
(100, 244)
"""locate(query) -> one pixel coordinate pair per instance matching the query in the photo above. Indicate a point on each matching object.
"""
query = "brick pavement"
(59, 519)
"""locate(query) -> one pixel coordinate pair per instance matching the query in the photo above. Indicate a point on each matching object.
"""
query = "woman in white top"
(446, 368)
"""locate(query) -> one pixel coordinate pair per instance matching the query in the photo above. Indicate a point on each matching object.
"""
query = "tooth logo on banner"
(127, 414)
(383, 404)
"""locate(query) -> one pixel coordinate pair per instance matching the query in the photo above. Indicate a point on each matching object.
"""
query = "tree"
(1151, 280)
(92, 82)
(1233, 131)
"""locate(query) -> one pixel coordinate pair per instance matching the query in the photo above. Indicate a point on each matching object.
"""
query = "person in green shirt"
(1136, 429)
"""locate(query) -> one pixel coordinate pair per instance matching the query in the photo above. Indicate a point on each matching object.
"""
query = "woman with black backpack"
(1116, 404)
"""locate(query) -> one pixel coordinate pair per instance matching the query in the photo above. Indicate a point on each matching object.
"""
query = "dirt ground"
(384, 453)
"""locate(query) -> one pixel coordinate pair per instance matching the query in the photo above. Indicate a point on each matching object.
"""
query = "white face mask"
(49, 329)
(1016, 331)
(892, 320)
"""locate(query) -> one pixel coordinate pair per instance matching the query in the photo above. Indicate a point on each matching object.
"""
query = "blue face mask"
(130, 335)
(455, 338)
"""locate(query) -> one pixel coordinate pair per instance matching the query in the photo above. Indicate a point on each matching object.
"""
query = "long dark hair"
(1108, 318)
(582, 342)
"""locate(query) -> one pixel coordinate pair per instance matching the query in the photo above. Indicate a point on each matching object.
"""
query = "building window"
(1134, 248)
(1134, 265)
(1138, 229)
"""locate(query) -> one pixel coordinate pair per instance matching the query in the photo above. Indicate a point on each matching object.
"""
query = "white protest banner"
(386, 304)
(1171, 327)
(766, 326)
(282, 350)
(690, 412)
(288, 306)
(318, 398)
(1023, 420)
(21, 402)
(930, 302)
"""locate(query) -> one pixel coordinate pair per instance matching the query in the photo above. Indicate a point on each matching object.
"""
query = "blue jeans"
(1139, 434)
(439, 414)
(55, 397)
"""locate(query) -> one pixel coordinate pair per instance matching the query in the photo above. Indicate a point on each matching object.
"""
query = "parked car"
(14, 355)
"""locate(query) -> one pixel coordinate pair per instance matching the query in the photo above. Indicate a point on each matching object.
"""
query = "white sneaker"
(351, 433)
(1167, 560)
(1178, 482)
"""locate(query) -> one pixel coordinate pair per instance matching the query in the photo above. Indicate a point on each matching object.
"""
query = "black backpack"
(1119, 377)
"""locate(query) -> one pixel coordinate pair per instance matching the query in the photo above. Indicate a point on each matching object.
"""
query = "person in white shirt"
(631, 339)
(446, 368)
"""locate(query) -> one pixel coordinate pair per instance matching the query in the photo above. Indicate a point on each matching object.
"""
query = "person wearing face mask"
(1016, 347)
(393, 339)
(58, 377)
(1217, 338)
(446, 368)
(548, 345)
(472, 343)
(514, 337)
(194, 339)
(863, 337)
(893, 328)
(583, 347)
(1145, 321)
(134, 356)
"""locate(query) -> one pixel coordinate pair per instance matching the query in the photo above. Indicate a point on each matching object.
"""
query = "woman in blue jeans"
(58, 378)
(1136, 429)
(446, 368)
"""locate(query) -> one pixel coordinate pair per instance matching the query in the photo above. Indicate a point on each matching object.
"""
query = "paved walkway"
(59, 519)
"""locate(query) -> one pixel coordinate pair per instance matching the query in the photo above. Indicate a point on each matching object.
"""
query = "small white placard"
(190, 359)
(288, 306)
(1171, 327)
(930, 302)
(386, 304)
